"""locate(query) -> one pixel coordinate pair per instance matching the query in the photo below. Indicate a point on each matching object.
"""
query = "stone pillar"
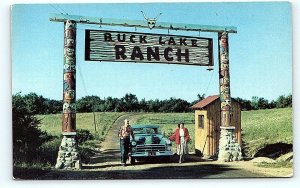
(68, 155)
(229, 149)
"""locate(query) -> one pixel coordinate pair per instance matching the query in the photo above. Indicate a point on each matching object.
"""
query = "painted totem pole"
(68, 156)
(69, 86)
(229, 149)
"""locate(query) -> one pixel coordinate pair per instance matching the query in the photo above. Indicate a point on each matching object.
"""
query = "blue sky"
(260, 53)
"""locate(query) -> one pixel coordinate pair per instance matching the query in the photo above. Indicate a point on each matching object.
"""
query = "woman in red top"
(181, 137)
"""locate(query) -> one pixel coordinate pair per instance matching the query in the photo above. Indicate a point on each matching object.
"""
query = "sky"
(260, 52)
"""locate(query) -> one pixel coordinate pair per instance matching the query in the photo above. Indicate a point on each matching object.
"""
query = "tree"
(52, 106)
(109, 104)
(254, 103)
(289, 100)
(284, 101)
(27, 137)
(181, 106)
(272, 104)
(262, 103)
(245, 104)
(130, 102)
(154, 105)
(89, 104)
(35, 103)
(143, 106)
(199, 98)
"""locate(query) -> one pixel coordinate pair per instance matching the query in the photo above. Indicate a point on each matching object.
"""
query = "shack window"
(201, 121)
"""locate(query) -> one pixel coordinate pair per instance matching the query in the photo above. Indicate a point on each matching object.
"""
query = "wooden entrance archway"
(68, 149)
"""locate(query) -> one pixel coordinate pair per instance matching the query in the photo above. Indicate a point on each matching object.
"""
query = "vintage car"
(149, 143)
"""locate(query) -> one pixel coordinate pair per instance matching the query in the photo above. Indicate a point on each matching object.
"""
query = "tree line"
(37, 104)
(257, 103)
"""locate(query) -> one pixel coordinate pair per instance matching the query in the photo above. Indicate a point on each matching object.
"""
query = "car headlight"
(169, 147)
(132, 149)
(168, 142)
(133, 143)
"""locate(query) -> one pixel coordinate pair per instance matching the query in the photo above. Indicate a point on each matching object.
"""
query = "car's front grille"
(152, 147)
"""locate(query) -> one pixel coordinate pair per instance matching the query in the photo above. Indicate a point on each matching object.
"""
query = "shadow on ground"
(191, 169)
(113, 155)
(274, 150)
(108, 155)
(28, 173)
(161, 172)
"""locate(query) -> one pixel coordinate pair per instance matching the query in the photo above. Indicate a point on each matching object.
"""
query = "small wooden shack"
(207, 124)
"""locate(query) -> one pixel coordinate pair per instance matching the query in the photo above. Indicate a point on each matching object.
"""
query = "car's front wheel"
(132, 160)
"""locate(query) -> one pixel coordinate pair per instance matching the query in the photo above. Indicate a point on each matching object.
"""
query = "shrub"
(84, 135)
(47, 152)
(27, 137)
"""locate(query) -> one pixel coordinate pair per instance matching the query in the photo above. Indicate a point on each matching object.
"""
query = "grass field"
(263, 127)
(84, 121)
(260, 127)
(104, 120)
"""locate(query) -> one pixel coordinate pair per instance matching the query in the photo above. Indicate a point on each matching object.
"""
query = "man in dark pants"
(124, 135)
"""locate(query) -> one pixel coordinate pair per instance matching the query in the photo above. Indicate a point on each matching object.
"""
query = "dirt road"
(106, 165)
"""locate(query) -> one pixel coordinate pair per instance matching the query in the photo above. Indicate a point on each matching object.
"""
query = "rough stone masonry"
(68, 154)
(229, 148)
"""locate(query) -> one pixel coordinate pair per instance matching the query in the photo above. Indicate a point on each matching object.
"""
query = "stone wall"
(68, 154)
(229, 148)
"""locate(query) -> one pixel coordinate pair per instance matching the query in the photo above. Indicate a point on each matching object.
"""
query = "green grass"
(169, 128)
(278, 164)
(263, 127)
(260, 127)
(52, 123)
(84, 121)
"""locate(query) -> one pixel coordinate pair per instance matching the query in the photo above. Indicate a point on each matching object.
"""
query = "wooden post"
(229, 149)
(68, 154)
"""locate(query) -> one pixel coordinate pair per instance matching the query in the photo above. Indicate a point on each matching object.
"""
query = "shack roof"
(203, 103)
(208, 100)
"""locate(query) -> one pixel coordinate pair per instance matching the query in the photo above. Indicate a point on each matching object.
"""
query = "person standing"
(181, 137)
(124, 134)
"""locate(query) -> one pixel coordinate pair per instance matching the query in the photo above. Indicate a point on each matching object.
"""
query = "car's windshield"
(146, 130)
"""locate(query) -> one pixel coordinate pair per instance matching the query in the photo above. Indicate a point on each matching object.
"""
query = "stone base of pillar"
(229, 148)
(68, 154)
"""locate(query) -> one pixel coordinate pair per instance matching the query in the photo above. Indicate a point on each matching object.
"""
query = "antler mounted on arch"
(151, 21)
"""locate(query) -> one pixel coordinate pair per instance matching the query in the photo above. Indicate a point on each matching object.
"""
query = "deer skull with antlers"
(151, 21)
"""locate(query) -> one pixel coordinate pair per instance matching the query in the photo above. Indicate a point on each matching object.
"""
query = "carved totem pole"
(229, 149)
(68, 154)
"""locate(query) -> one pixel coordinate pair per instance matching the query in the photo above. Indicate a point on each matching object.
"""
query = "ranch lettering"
(144, 47)
(151, 54)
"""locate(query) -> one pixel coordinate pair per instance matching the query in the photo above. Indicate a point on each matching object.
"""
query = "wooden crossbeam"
(141, 23)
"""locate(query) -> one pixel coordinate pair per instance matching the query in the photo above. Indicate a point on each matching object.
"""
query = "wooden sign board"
(147, 48)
